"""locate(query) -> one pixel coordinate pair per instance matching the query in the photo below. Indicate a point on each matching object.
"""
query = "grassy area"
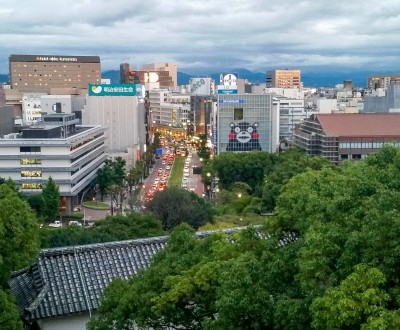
(175, 178)
(96, 205)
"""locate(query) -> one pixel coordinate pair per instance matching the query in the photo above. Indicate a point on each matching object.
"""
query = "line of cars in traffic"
(186, 171)
(160, 182)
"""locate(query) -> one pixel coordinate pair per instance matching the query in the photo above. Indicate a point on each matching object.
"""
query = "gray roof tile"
(72, 279)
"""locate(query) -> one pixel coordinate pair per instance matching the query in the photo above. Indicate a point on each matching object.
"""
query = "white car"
(56, 224)
(186, 174)
(184, 179)
(75, 223)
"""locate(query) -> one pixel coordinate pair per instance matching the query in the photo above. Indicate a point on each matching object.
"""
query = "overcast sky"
(208, 35)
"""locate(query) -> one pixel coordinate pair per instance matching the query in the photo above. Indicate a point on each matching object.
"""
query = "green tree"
(51, 200)
(328, 259)
(118, 195)
(118, 170)
(112, 173)
(9, 314)
(174, 205)
(289, 163)
(19, 234)
(248, 167)
(356, 301)
(104, 180)
(116, 228)
(36, 203)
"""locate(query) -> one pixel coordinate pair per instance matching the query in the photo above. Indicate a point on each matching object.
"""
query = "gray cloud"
(206, 35)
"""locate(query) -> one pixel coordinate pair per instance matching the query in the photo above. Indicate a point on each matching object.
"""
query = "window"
(27, 161)
(31, 174)
(29, 149)
(31, 186)
(238, 113)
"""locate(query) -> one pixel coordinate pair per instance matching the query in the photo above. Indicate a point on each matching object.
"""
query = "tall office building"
(245, 122)
(150, 78)
(284, 79)
(41, 73)
(383, 80)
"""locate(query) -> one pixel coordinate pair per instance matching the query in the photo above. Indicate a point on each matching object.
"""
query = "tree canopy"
(328, 259)
(248, 167)
(175, 205)
(113, 228)
(50, 200)
(19, 234)
(19, 246)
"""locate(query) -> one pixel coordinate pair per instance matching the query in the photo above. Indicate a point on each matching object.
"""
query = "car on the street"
(75, 223)
(56, 224)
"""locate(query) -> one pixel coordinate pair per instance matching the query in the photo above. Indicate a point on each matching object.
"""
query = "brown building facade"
(143, 76)
(284, 79)
(40, 73)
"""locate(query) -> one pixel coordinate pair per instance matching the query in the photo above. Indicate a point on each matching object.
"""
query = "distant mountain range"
(310, 79)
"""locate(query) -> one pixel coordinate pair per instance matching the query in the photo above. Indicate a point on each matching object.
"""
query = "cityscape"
(85, 155)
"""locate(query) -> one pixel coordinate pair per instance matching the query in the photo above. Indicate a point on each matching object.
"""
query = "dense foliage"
(114, 228)
(50, 207)
(19, 246)
(248, 167)
(112, 173)
(174, 205)
(329, 259)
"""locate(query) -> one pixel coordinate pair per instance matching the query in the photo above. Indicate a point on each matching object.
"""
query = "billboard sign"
(228, 79)
(226, 89)
(151, 77)
(112, 90)
(200, 86)
(231, 101)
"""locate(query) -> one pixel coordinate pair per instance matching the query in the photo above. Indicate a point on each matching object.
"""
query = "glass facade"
(244, 122)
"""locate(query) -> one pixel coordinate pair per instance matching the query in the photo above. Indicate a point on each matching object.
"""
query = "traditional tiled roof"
(71, 280)
(360, 124)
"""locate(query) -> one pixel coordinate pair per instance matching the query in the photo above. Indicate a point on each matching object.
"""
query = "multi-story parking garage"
(56, 148)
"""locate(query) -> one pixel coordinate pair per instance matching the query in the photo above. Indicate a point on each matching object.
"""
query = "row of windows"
(30, 161)
(367, 145)
(31, 186)
(31, 174)
(29, 149)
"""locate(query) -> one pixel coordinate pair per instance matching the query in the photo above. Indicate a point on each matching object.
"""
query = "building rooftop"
(71, 280)
(360, 124)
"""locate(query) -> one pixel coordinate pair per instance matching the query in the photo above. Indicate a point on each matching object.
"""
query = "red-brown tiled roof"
(361, 124)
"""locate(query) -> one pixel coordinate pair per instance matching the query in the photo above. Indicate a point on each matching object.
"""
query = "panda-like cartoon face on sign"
(243, 137)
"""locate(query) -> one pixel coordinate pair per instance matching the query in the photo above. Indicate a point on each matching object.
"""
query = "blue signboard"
(231, 101)
(227, 91)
